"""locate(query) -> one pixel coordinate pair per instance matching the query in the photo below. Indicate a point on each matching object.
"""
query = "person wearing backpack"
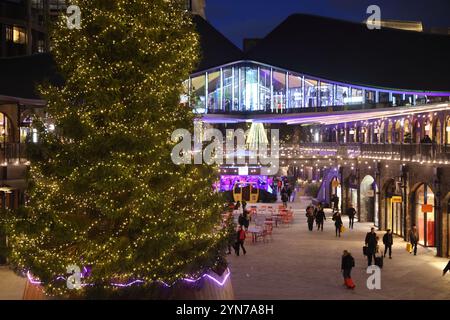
(347, 263)
(240, 240)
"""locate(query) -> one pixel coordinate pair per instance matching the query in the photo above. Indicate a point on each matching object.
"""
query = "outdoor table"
(276, 217)
(254, 231)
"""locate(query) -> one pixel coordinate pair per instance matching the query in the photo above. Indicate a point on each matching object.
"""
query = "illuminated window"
(19, 35)
(41, 46)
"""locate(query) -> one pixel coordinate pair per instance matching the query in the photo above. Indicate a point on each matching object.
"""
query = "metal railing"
(404, 152)
(13, 153)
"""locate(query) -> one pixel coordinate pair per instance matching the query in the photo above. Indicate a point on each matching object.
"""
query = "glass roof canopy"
(248, 87)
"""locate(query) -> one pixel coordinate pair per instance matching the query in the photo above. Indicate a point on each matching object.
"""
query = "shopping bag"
(349, 283)
(409, 247)
(365, 250)
(342, 229)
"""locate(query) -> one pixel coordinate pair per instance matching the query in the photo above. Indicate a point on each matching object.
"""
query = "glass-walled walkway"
(247, 87)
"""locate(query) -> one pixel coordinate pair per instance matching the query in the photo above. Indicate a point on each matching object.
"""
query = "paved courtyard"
(299, 264)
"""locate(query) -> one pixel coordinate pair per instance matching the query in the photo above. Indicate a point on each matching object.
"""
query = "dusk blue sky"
(238, 19)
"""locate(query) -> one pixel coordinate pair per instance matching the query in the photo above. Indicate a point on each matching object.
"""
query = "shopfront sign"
(397, 199)
(427, 208)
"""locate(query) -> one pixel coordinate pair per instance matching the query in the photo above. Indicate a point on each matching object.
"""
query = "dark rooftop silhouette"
(350, 52)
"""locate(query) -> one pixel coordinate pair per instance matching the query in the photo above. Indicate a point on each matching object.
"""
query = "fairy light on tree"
(104, 192)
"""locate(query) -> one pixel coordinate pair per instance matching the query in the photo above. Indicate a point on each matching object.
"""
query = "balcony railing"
(403, 152)
(13, 153)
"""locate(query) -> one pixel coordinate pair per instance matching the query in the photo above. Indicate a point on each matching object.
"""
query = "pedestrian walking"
(310, 217)
(284, 198)
(414, 238)
(371, 243)
(337, 223)
(289, 193)
(240, 241)
(335, 203)
(351, 212)
(347, 263)
(388, 241)
(244, 220)
(320, 218)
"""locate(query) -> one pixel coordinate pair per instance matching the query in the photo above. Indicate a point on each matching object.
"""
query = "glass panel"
(237, 88)
(264, 89)
(227, 89)
(249, 88)
(342, 94)
(370, 96)
(295, 92)
(25, 134)
(184, 97)
(279, 91)
(356, 96)
(326, 94)
(198, 98)
(311, 93)
(214, 90)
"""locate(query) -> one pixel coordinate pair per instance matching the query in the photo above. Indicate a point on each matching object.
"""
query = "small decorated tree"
(104, 193)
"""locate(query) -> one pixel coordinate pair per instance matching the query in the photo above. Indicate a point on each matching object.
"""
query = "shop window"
(425, 211)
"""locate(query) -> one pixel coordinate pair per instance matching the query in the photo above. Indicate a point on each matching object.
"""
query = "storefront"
(394, 217)
(425, 215)
(369, 200)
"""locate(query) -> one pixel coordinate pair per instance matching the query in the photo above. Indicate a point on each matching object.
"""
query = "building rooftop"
(351, 53)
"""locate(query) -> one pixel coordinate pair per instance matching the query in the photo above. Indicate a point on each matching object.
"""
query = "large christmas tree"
(104, 193)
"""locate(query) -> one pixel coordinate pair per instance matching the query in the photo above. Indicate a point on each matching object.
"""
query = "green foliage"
(312, 189)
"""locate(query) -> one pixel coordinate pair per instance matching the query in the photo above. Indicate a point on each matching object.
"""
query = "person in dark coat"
(244, 220)
(240, 240)
(289, 193)
(337, 223)
(347, 263)
(320, 218)
(388, 241)
(310, 217)
(351, 212)
(371, 243)
(414, 238)
(335, 202)
(284, 198)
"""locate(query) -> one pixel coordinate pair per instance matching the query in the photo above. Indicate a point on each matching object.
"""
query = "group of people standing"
(317, 214)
